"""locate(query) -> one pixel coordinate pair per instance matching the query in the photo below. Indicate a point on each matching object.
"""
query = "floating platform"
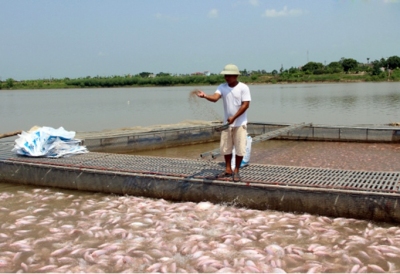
(188, 134)
(370, 195)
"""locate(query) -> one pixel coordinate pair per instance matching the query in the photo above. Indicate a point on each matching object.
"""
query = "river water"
(99, 109)
(54, 230)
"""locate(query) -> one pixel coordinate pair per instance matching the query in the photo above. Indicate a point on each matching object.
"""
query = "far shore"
(129, 81)
(58, 87)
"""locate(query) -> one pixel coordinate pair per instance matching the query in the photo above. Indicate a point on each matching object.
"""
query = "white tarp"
(48, 142)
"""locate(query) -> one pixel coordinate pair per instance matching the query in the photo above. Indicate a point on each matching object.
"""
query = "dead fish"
(154, 267)
(48, 268)
(355, 268)
(375, 268)
(61, 251)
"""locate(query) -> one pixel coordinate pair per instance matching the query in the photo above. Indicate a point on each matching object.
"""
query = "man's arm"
(212, 98)
(245, 105)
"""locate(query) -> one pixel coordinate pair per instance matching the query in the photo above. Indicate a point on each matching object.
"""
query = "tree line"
(346, 69)
(349, 65)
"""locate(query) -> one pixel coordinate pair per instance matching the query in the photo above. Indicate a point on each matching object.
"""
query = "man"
(236, 99)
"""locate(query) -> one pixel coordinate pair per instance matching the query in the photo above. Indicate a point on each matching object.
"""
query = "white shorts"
(234, 137)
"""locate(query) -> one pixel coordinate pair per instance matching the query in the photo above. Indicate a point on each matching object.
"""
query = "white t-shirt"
(232, 99)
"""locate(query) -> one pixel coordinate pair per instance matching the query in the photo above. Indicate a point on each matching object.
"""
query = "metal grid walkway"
(260, 138)
(367, 181)
(5, 149)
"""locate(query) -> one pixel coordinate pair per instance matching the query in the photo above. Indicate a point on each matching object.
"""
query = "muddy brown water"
(334, 155)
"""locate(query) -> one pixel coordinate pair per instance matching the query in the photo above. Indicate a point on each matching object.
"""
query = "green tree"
(393, 62)
(163, 74)
(214, 79)
(312, 66)
(349, 64)
(376, 67)
(9, 82)
(144, 74)
(334, 67)
(40, 83)
(383, 63)
(293, 70)
(163, 81)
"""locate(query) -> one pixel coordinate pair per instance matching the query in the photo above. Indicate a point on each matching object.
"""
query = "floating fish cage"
(368, 195)
(149, 140)
(330, 133)
(372, 195)
(164, 138)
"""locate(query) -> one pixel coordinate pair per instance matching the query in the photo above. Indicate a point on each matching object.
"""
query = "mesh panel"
(331, 133)
(379, 135)
(370, 181)
(5, 150)
(260, 174)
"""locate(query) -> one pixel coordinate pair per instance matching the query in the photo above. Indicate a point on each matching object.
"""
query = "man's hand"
(201, 94)
(212, 98)
(245, 105)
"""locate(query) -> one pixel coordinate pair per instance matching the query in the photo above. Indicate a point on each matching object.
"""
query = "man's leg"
(238, 161)
(239, 137)
(226, 146)
(228, 161)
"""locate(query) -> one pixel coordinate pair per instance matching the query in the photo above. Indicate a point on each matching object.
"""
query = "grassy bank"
(197, 80)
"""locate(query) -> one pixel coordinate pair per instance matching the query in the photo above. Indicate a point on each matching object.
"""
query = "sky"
(42, 39)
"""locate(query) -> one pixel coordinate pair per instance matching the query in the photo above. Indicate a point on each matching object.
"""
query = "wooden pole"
(9, 134)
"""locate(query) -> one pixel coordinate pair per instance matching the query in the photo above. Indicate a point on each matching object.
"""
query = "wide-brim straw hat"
(230, 69)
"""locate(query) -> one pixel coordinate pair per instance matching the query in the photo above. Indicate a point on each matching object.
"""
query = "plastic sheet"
(246, 156)
(48, 142)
